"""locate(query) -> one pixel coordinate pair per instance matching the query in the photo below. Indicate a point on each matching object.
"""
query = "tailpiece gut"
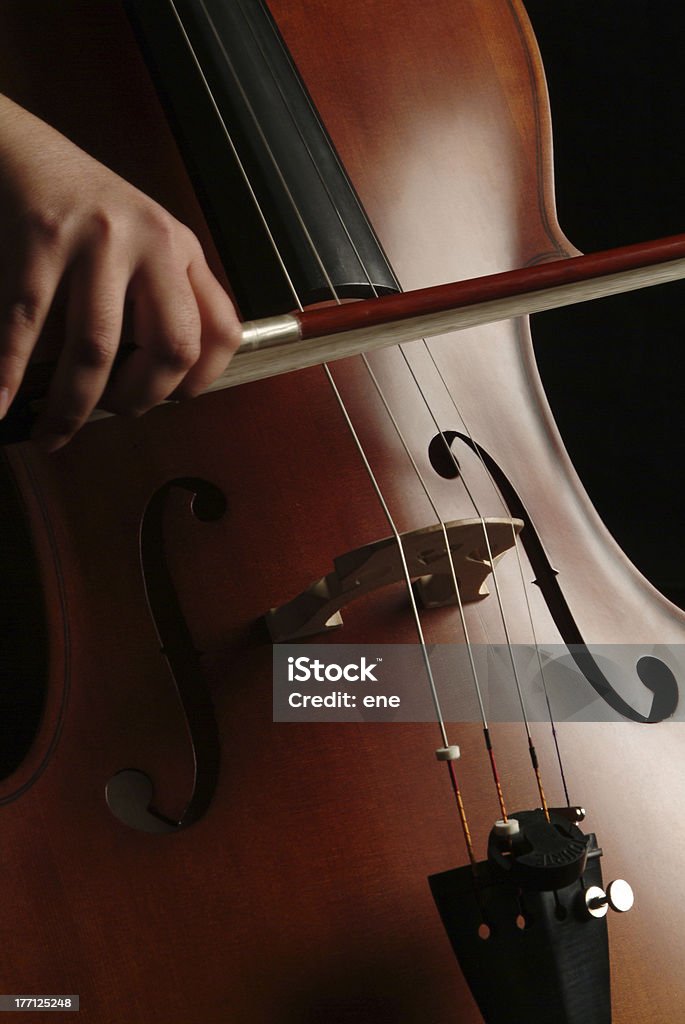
(528, 924)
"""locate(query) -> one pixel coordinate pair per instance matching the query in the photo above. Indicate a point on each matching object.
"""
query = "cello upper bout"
(466, 125)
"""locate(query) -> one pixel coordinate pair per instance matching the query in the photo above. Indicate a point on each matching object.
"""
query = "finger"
(220, 330)
(97, 291)
(25, 301)
(166, 326)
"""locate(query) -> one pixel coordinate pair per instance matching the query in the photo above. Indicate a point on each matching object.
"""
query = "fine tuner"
(513, 843)
(619, 896)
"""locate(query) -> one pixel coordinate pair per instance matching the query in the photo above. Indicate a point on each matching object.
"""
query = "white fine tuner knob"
(451, 753)
(619, 896)
(507, 829)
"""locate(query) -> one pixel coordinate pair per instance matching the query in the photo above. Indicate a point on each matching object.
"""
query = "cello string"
(229, 139)
(509, 646)
(417, 620)
(545, 689)
(531, 618)
(457, 590)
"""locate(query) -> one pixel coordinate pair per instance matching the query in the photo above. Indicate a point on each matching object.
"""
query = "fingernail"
(4, 401)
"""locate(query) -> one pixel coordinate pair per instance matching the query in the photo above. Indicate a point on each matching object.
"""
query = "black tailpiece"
(520, 929)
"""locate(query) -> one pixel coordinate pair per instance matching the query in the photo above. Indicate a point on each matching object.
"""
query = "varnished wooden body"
(302, 895)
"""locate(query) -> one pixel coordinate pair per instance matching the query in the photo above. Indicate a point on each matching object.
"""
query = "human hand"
(64, 216)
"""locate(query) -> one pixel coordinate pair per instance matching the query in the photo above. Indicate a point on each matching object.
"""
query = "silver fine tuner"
(619, 896)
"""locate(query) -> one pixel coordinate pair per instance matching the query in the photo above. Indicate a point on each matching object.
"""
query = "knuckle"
(171, 237)
(177, 354)
(45, 226)
(191, 243)
(227, 335)
(94, 351)
(104, 225)
(161, 225)
(24, 310)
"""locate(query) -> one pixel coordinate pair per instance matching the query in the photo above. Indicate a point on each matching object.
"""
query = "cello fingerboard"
(273, 189)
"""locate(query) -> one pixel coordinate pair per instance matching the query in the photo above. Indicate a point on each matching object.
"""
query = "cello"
(296, 889)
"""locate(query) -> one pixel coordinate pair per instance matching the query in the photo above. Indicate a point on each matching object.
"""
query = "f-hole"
(653, 673)
(130, 792)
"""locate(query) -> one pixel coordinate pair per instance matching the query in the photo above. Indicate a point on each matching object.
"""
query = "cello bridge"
(380, 563)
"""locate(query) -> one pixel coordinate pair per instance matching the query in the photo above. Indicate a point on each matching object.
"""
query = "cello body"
(300, 895)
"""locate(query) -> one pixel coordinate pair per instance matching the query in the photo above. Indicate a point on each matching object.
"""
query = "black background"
(613, 369)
